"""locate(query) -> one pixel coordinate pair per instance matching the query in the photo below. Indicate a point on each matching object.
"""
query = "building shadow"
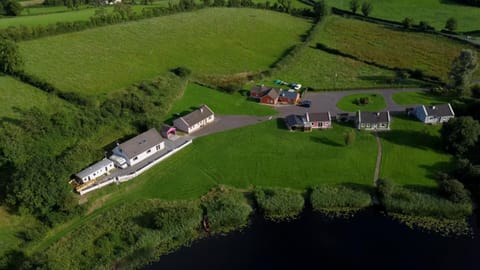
(326, 141)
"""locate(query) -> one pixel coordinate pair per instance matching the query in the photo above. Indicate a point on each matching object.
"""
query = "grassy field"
(349, 103)
(435, 12)
(10, 226)
(412, 98)
(219, 102)
(209, 41)
(412, 153)
(321, 70)
(16, 96)
(393, 48)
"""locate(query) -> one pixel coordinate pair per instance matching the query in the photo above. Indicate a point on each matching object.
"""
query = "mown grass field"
(393, 48)
(424, 98)
(211, 41)
(16, 96)
(433, 11)
(349, 103)
(412, 153)
(219, 102)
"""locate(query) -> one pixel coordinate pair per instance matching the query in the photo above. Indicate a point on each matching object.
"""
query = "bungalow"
(319, 120)
(271, 97)
(195, 120)
(434, 114)
(297, 122)
(140, 147)
(96, 170)
(373, 120)
(290, 97)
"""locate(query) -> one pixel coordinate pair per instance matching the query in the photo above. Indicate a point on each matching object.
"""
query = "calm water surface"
(368, 241)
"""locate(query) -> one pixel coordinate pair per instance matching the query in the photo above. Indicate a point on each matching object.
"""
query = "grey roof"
(439, 110)
(260, 89)
(95, 167)
(288, 94)
(294, 120)
(198, 115)
(141, 143)
(373, 117)
(322, 116)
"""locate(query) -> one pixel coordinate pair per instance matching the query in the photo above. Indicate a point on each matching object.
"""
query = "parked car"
(306, 103)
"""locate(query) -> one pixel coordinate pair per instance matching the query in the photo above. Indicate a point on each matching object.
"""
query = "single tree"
(10, 60)
(354, 5)
(12, 8)
(453, 190)
(320, 9)
(367, 8)
(460, 134)
(463, 67)
(407, 23)
(451, 24)
(425, 26)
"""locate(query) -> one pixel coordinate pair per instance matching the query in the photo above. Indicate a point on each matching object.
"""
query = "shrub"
(177, 219)
(279, 203)
(339, 198)
(226, 209)
(350, 137)
(385, 188)
(454, 191)
(425, 26)
(182, 72)
(407, 23)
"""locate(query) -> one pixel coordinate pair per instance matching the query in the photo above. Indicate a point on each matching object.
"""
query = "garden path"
(379, 159)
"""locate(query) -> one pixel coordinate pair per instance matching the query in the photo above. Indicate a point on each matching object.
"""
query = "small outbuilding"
(168, 132)
(96, 170)
(434, 114)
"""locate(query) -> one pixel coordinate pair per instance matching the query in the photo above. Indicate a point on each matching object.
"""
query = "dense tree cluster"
(10, 7)
(470, 2)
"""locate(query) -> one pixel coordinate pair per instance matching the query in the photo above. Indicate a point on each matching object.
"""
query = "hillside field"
(214, 41)
(436, 12)
(390, 47)
(16, 96)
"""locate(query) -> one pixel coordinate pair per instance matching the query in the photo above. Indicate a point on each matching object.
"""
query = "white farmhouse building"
(140, 147)
(96, 170)
(195, 120)
(434, 114)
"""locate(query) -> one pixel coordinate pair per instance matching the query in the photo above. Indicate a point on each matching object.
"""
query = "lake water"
(367, 241)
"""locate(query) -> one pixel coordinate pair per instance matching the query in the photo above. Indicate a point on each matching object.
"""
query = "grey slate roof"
(373, 117)
(287, 94)
(294, 120)
(322, 116)
(95, 167)
(198, 115)
(141, 143)
(439, 110)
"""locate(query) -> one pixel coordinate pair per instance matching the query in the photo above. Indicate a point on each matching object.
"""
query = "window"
(135, 158)
(149, 151)
(158, 147)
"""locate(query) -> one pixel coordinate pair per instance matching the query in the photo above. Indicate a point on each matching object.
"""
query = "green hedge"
(339, 198)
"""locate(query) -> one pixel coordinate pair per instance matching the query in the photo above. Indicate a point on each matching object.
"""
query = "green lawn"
(393, 48)
(219, 102)
(412, 153)
(16, 96)
(350, 103)
(214, 41)
(419, 98)
(436, 12)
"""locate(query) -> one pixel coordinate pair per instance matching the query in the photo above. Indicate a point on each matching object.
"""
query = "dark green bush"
(279, 203)
(178, 219)
(384, 188)
(453, 190)
(182, 72)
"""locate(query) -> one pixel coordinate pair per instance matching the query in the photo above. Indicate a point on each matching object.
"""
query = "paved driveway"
(327, 101)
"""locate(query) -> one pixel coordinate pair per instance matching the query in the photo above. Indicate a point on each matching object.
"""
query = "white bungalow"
(96, 170)
(140, 147)
(373, 120)
(195, 120)
(434, 114)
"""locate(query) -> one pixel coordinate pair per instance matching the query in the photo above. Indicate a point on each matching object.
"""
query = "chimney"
(201, 110)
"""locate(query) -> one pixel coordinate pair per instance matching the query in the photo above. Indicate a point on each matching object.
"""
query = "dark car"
(306, 103)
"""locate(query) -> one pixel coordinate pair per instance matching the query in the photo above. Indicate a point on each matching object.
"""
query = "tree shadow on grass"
(281, 124)
(326, 141)
(438, 167)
